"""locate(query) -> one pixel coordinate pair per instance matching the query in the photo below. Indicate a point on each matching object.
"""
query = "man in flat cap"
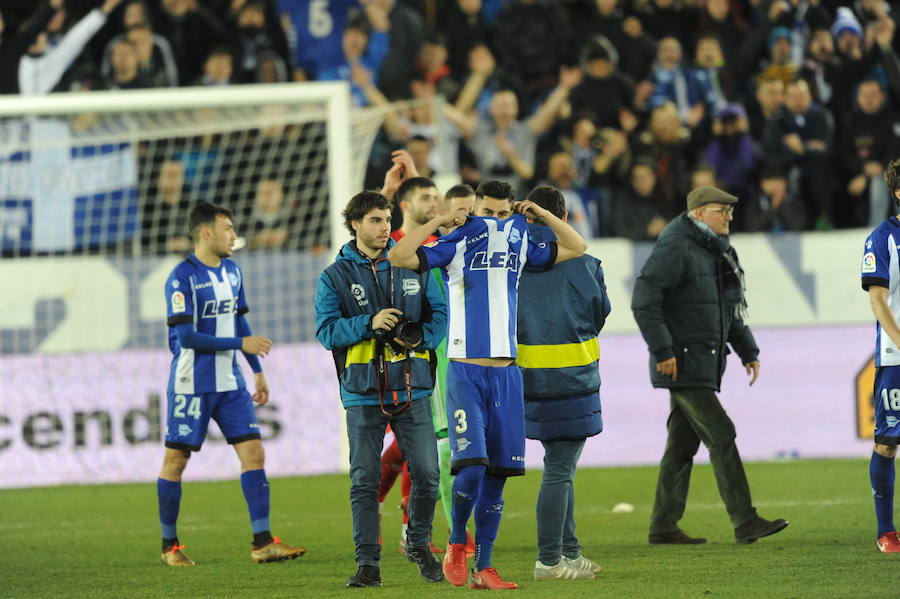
(689, 304)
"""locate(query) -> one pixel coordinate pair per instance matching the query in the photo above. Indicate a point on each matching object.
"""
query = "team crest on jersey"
(892, 421)
(514, 235)
(868, 263)
(462, 444)
(868, 244)
(411, 286)
(233, 278)
(359, 294)
(175, 284)
(178, 304)
(184, 430)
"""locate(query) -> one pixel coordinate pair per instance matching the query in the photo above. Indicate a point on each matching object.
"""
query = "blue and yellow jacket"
(561, 312)
(347, 298)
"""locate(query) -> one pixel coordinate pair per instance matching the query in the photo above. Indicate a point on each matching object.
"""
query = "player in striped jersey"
(881, 279)
(482, 261)
(207, 324)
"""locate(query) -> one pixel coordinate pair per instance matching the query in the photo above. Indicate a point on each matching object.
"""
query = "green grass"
(102, 541)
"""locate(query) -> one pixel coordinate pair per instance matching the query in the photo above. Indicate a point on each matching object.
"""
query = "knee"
(253, 458)
(176, 460)
(887, 451)
(468, 480)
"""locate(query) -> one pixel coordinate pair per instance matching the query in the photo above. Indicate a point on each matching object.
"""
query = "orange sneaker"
(276, 551)
(455, 564)
(489, 579)
(174, 556)
(889, 543)
(470, 545)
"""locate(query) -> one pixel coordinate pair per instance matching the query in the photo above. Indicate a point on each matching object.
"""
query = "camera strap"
(380, 362)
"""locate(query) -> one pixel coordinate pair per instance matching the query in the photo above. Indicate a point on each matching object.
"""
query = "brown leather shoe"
(758, 528)
(676, 537)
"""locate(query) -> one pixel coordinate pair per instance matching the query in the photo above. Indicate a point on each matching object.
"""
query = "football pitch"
(103, 541)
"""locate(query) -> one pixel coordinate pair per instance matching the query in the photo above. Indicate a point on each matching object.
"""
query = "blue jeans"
(415, 435)
(556, 501)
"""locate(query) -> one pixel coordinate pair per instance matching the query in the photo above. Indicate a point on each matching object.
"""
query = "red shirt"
(399, 234)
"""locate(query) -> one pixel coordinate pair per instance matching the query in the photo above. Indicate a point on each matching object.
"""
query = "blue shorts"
(486, 418)
(887, 405)
(188, 417)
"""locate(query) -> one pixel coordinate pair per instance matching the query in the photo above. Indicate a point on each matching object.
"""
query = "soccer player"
(206, 308)
(880, 279)
(482, 261)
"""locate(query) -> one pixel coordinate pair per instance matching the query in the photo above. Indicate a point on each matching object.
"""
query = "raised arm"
(547, 114)
(569, 243)
(404, 254)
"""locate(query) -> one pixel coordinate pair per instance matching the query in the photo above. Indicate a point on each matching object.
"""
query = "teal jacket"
(347, 297)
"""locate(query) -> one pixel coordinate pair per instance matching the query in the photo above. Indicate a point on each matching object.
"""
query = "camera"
(407, 331)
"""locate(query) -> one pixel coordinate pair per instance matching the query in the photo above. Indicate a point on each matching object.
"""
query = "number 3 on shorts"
(461, 424)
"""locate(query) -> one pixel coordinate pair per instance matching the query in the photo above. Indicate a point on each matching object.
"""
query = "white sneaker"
(582, 563)
(561, 571)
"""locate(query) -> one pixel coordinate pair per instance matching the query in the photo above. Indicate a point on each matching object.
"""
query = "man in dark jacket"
(689, 303)
(558, 355)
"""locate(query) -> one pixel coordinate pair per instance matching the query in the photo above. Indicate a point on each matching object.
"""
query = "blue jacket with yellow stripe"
(561, 312)
(350, 292)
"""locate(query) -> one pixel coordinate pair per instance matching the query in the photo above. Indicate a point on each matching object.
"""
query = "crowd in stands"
(624, 106)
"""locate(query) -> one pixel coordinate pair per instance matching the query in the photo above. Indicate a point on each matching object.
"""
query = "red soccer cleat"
(889, 543)
(455, 564)
(470, 545)
(489, 579)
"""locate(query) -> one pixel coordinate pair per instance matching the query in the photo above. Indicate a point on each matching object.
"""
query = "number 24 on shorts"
(193, 409)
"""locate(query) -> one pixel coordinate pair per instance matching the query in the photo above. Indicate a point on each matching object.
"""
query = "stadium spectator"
(719, 21)
(561, 309)
(731, 152)
(433, 69)
(669, 18)
(191, 29)
(797, 138)
(165, 210)
(768, 100)
(780, 64)
(671, 146)
(775, 207)
(709, 65)
(871, 139)
(689, 302)
(124, 67)
(198, 389)
(561, 176)
(534, 65)
(637, 207)
(407, 35)
(603, 91)
(464, 29)
(314, 31)
(689, 90)
(484, 385)
(269, 222)
(703, 176)
(253, 39)
(362, 48)
(348, 320)
(270, 68)
(155, 60)
(42, 68)
(504, 147)
(638, 50)
(218, 68)
(14, 45)
(597, 18)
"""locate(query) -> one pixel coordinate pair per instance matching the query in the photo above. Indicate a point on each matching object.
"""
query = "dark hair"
(205, 213)
(361, 204)
(548, 198)
(493, 188)
(892, 177)
(410, 185)
(772, 171)
(459, 191)
(359, 23)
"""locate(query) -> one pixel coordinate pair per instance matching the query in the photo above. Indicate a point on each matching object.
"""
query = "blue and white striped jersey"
(210, 299)
(481, 263)
(881, 266)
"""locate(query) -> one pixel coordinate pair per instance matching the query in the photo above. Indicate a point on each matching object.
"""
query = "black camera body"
(407, 331)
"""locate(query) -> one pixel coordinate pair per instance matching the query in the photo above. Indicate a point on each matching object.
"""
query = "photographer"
(382, 323)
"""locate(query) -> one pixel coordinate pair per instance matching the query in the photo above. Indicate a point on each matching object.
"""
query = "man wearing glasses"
(689, 302)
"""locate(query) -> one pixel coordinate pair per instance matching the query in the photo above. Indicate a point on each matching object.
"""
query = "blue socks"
(256, 492)
(488, 511)
(881, 473)
(169, 494)
(465, 492)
